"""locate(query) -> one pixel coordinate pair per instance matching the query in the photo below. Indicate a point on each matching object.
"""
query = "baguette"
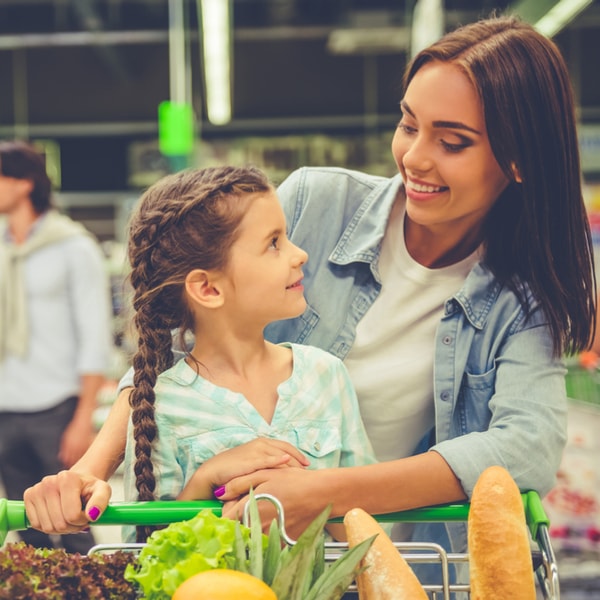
(387, 575)
(499, 549)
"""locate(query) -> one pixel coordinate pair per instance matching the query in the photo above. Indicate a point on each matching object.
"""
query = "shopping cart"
(13, 518)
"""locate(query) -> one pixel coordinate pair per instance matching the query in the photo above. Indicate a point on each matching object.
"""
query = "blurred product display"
(573, 506)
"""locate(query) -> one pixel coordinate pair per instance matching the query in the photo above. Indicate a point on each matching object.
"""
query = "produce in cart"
(311, 556)
(27, 572)
(224, 584)
(173, 555)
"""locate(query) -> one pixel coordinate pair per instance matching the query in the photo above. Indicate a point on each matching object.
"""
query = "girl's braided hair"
(185, 221)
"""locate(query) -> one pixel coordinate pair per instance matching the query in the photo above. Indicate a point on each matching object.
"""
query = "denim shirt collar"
(361, 240)
(477, 296)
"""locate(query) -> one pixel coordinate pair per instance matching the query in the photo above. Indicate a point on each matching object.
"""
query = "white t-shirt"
(391, 360)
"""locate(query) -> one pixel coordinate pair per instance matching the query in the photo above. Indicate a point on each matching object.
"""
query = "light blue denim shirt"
(499, 393)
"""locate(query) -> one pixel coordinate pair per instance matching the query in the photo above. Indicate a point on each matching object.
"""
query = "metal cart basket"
(13, 517)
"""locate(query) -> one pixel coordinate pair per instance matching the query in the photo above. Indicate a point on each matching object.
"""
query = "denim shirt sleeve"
(500, 396)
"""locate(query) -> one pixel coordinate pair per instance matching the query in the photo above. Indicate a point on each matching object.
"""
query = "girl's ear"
(203, 287)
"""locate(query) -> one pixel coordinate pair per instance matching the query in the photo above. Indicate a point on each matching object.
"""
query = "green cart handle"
(532, 503)
(535, 513)
(160, 512)
(13, 516)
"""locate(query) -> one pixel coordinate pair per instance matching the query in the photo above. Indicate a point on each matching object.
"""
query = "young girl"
(209, 255)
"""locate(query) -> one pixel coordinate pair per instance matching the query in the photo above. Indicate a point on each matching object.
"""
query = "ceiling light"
(427, 24)
(549, 16)
(216, 46)
(560, 15)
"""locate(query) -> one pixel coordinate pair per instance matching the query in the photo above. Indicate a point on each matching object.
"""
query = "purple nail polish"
(94, 513)
(219, 491)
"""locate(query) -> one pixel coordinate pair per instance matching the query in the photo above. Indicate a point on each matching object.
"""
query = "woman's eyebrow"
(441, 124)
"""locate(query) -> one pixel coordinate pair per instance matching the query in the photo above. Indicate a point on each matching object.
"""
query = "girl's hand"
(261, 453)
(54, 505)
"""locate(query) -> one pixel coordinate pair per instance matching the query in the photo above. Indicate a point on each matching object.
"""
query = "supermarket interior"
(118, 93)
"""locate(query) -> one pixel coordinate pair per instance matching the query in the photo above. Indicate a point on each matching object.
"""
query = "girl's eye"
(274, 243)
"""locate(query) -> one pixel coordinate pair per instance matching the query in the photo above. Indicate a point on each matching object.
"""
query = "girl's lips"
(295, 285)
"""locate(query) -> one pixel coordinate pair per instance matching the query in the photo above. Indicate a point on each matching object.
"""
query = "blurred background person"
(55, 328)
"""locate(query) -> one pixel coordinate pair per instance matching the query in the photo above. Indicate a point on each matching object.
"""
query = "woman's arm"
(54, 505)
(421, 480)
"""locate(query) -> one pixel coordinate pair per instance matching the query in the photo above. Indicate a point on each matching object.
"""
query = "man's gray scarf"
(14, 326)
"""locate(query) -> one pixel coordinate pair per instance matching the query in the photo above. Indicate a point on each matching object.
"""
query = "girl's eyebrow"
(274, 233)
(441, 124)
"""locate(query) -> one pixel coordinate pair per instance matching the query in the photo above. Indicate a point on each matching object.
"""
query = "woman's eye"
(406, 128)
(454, 148)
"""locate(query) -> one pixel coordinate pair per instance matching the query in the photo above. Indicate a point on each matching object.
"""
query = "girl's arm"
(108, 448)
(54, 505)
(261, 453)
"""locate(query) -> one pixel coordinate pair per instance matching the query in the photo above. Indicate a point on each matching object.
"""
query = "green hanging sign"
(175, 128)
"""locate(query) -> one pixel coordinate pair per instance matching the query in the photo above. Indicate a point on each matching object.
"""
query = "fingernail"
(94, 513)
(85, 530)
(219, 491)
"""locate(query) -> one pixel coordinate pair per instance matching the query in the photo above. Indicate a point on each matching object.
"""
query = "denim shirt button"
(447, 340)
(445, 396)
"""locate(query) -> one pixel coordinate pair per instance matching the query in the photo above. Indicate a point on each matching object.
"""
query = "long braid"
(185, 221)
(152, 356)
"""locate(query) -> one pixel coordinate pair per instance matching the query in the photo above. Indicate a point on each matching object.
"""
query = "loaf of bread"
(387, 575)
(499, 547)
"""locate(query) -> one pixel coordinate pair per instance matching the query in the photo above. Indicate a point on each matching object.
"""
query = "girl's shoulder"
(311, 356)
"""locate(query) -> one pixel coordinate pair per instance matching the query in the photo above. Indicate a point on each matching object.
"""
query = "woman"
(452, 290)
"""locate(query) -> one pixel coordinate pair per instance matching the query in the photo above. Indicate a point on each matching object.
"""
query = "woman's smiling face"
(443, 153)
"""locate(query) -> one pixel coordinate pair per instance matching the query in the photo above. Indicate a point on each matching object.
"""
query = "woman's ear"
(516, 173)
(203, 287)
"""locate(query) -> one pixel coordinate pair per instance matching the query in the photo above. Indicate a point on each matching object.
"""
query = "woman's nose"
(417, 157)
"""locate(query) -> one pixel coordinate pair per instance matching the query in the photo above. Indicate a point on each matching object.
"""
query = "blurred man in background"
(55, 332)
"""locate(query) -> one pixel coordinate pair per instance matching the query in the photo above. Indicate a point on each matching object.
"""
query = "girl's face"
(264, 271)
(442, 150)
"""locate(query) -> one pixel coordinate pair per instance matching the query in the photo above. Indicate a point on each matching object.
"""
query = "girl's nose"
(300, 255)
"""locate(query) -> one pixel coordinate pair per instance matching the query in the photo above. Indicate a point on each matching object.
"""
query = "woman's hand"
(54, 505)
(261, 453)
(421, 480)
(302, 492)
